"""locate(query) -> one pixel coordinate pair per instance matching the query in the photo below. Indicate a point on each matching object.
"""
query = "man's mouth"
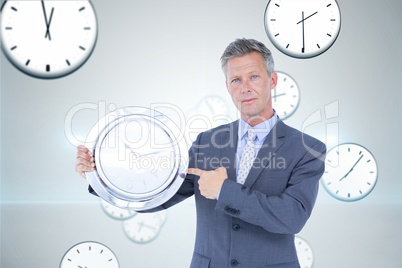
(248, 100)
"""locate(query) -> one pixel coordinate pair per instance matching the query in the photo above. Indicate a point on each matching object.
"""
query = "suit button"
(243, 188)
(234, 262)
(236, 227)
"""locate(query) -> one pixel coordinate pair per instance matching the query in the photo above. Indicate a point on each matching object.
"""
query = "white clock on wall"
(350, 172)
(89, 254)
(285, 96)
(304, 253)
(302, 28)
(48, 38)
(144, 227)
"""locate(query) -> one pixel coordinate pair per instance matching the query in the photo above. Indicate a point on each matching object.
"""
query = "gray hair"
(242, 47)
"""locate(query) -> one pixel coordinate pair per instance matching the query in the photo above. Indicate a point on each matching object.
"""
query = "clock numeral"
(81, 9)
(68, 62)
(110, 260)
(287, 46)
(78, 251)
(277, 5)
(27, 63)
(13, 8)
(47, 68)
(87, 28)
(9, 28)
(276, 34)
(318, 46)
(81, 47)
(14, 47)
(333, 19)
(329, 5)
(101, 251)
(329, 35)
(273, 19)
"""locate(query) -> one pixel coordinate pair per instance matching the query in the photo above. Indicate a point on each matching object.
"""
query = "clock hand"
(303, 19)
(48, 25)
(352, 168)
(46, 21)
(303, 30)
(280, 95)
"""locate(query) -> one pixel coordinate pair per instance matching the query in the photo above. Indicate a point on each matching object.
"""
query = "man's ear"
(274, 80)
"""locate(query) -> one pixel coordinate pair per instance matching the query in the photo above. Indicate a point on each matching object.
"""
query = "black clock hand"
(352, 168)
(46, 21)
(48, 25)
(303, 19)
(303, 30)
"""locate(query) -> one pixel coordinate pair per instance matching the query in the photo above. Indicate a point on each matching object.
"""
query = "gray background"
(158, 51)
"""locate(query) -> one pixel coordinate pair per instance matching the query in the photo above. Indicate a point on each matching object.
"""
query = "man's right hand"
(85, 161)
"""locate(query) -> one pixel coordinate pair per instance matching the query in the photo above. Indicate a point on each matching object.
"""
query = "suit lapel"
(271, 144)
(229, 146)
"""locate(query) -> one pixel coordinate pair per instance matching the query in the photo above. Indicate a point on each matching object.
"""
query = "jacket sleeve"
(286, 213)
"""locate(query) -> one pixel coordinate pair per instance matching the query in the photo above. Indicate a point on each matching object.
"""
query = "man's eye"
(254, 77)
(235, 80)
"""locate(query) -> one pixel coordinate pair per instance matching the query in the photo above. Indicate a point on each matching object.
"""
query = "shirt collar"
(262, 129)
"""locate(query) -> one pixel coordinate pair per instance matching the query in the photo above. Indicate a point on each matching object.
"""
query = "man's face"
(249, 85)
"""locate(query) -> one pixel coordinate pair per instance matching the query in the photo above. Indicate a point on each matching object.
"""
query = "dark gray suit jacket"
(253, 225)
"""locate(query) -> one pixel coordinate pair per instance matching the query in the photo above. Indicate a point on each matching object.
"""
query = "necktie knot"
(251, 135)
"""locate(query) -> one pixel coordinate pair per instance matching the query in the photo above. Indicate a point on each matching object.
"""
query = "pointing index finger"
(194, 171)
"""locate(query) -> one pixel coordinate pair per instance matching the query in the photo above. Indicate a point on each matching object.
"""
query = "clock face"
(130, 160)
(141, 158)
(144, 227)
(89, 254)
(285, 96)
(304, 253)
(302, 28)
(48, 39)
(350, 172)
(115, 212)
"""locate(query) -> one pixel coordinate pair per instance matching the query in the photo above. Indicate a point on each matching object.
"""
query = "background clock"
(144, 227)
(89, 254)
(285, 96)
(116, 212)
(350, 172)
(48, 39)
(304, 253)
(302, 28)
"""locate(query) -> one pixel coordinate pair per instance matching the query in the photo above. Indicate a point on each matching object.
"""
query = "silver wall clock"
(285, 96)
(350, 172)
(49, 38)
(89, 254)
(302, 28)
(141, 158)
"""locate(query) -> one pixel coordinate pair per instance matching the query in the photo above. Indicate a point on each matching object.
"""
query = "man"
(255, 180)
